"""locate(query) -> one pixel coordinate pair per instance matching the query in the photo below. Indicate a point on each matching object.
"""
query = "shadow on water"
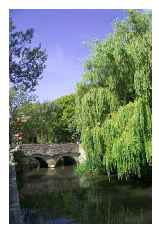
(59, 196)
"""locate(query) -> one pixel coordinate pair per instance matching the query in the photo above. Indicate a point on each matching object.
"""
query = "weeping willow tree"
(114, 100)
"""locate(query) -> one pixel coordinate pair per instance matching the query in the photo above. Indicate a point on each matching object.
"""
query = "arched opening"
(42, 163)
(66, 161)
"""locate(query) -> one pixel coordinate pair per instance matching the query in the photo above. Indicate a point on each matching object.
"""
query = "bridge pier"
(51, 163)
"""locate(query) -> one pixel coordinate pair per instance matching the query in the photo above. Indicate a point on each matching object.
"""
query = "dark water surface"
(59, 196)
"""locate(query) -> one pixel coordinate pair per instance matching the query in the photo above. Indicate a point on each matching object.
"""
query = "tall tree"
(114, 99)
(26, 63)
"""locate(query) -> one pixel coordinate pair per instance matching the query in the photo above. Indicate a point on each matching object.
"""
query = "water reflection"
(59, 196)
(50, 180)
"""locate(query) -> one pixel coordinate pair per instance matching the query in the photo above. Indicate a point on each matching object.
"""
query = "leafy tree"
(26, 63)
(18, 97)
(40, 119)
(114, 99)
(67, 117)
(50, 122)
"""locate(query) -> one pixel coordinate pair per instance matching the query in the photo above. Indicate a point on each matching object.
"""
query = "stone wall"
(49, 149)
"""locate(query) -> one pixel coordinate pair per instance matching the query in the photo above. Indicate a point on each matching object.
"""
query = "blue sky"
(63, 33)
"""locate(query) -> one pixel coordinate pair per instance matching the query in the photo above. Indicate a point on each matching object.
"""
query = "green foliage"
(82, 169)
(95, 104)
(125, 136)
(114, 100)
(26, 63)
(67, 106)
(50, 122)
(68, 124)
(17, 98)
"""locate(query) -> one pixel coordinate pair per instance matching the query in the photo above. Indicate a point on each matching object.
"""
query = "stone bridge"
(49, 155)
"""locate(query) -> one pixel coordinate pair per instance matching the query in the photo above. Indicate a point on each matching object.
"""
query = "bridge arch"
(65, 160)
(42, 162)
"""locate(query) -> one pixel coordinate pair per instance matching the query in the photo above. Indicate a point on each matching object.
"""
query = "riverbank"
(15, 215)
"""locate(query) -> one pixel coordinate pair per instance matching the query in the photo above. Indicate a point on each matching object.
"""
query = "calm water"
(59, 196)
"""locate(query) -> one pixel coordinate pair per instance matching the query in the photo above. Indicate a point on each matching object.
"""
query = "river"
(59, 196)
